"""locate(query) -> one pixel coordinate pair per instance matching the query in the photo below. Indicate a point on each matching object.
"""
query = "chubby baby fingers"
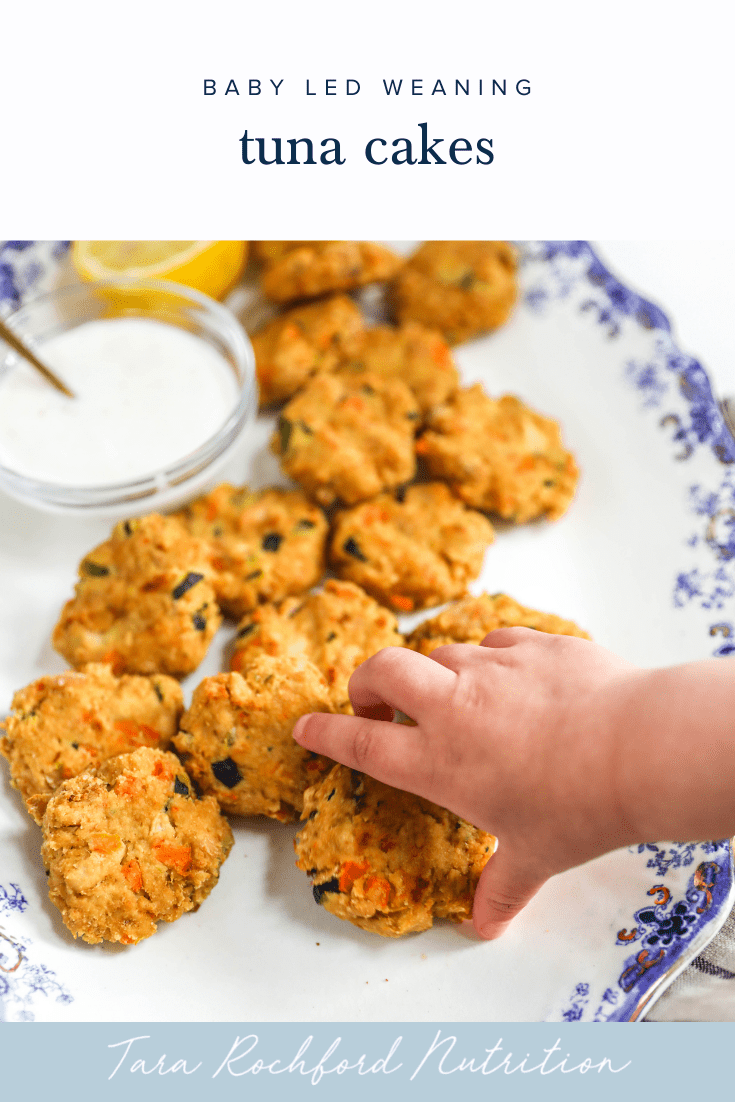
(390, 752)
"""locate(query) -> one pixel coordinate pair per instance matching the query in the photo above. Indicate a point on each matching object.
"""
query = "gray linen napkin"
(705, 990)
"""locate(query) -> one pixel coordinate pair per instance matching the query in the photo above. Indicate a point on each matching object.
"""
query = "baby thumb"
(503, 890)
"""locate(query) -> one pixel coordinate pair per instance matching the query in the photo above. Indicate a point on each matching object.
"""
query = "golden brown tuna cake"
(328, 266)
(144, 603)
(470, 620)
(236, 738)
(385, 860)
(348, 438)
(412, 550)
(128, 845)
(500, 456)
(263, 545)
(337, 629)
(420, 357)
(306, 339)
(60, 725)
(462, 288)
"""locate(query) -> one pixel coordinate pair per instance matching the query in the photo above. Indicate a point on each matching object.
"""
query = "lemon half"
(213, 267)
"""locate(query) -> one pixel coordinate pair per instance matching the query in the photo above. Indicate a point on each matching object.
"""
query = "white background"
(626, 134)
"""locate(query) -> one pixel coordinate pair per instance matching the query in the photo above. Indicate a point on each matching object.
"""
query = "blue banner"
(292, 1061)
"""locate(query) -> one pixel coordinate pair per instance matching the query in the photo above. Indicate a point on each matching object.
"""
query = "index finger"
(390, 752)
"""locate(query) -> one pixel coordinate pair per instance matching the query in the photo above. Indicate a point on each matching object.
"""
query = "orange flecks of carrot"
(377, 889)
(162, 770)
(441, 355)
(349, 872)
(218, 691)
(127, 729)
(131, 872)
(115, 659)
(173, 856)
(375, 513)
(103, 843)
(405, 604)
(422, 446)
(136, 734)
(355, 402)
(127, 786)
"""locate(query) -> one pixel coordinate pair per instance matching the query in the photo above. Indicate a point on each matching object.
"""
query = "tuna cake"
(236, 743)
(60, 725)
(127, 845)
(306, 339)
(323, 267)
(385, 860)
(348, 438)
(267, 252)
(462, 288)
(500, 456)
(144, 602)
(420, 357)
(262, 545)
(416, 549)
(470, 620)
(337, 628)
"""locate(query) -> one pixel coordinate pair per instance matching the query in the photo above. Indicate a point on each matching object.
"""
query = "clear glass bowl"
(173, 304)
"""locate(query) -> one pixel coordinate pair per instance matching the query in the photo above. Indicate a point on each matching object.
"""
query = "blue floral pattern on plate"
(676, 390)
(22, 981)
(664, 934)
(24, 268)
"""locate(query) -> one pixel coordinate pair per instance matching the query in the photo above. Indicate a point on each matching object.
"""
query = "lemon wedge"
(213, 267)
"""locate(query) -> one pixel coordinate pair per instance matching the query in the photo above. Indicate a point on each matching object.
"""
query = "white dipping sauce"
(147, 395)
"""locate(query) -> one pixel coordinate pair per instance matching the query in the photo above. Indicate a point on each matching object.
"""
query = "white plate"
(643, 560)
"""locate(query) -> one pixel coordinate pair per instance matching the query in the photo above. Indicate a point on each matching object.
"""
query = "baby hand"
(518, 736)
